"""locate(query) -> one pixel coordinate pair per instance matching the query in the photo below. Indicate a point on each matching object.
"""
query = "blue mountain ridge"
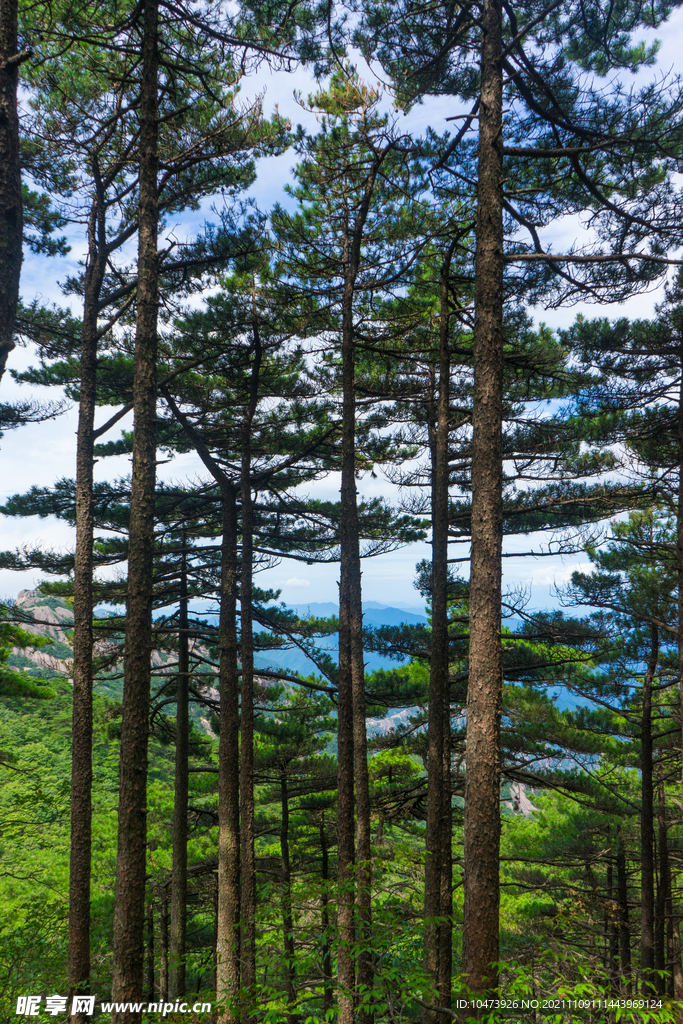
(374, 614)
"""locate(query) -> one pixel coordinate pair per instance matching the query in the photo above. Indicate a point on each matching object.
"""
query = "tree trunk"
(81, 730)
(247, 838)
(677, 968)
(287, 916)
(446, 933)
(482, 781)
(647, 871)
(679, 555)
(611, 930)
(179, 871)
(132, 829)
(325, 922)
(624, 927)
(436, 868)
(349, 585)
(10, 179)
(365, 977)
(150, 952)
(227, 925)
(663, 911)
(163, 948)
(345, 805)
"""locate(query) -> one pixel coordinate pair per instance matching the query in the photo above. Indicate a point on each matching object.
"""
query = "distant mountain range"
(374, 614)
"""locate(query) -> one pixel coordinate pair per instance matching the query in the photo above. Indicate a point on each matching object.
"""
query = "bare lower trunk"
(287, 916)
(179, 870)
(679, 556)
(163, 948)
(81, 733)
(227, 925)
(664, 936)
(624, 926)
(611, 930)
(482, 782)
(364, 979)
(647, 871)
(132, 828)
(446, 912)
(150, 952)
(677, 968)
(10, 179)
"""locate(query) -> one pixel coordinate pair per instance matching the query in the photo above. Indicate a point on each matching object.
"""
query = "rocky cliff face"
(47, 616)
(52, 617)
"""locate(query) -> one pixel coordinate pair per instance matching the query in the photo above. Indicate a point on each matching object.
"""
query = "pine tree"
(347, 194)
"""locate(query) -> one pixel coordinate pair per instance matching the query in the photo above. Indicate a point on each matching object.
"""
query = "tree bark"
(482, 781)
(178, 931)
(287, 916)
(611, 932)
(11, 208)
(150, 952)
(624, 926)
(227, 925)
(132, 830)
(647, 870)
(163, 948)
(247, 837)
(81, 731)
(679, 554)
(436, 862)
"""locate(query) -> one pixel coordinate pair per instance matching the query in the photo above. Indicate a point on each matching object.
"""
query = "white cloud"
(294, 582)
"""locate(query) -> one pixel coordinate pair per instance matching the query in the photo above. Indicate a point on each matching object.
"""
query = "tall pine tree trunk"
(352, 771)
(81, 734)
(132, 829)
(247, 835)
(227, 925)
(179, 870)
(10, 179)
(647, 870)
(482, 780)
(349, 593)
(325, 920)
(436, 870)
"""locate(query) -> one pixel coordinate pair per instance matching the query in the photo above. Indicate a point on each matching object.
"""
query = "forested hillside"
(218, 805)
